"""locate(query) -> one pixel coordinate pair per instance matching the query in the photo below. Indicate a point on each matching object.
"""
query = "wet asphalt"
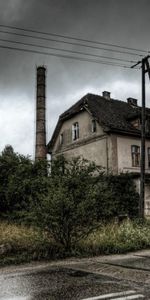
(79, 280)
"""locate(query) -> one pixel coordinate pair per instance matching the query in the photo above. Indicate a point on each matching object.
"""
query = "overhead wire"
(64, 56)
(73, 38)
(65, 50)
(70, 43)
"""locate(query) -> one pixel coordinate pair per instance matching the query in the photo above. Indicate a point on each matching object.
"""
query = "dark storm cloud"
(112, 21)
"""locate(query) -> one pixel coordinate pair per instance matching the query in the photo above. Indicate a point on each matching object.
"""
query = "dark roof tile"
(112, 114)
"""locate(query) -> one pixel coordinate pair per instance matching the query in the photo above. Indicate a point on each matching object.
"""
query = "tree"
(68, 212)
(21, 181)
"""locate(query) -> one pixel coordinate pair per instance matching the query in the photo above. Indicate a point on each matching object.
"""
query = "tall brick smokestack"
(40, 148)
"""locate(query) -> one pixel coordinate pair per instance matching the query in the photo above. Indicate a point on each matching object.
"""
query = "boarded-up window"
(135, 152)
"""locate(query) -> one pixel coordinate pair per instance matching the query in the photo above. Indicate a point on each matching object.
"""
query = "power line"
(65, 50)
(65, 56)
(74, 38)
(70, 43)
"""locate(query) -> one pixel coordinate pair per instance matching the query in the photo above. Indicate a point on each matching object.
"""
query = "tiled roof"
(111, 114)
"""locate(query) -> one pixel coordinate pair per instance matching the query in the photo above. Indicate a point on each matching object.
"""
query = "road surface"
(106, 277)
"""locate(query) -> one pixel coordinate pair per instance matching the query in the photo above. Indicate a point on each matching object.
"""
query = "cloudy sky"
(119, 22)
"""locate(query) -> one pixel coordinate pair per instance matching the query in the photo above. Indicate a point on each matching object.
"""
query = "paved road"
(109, 277)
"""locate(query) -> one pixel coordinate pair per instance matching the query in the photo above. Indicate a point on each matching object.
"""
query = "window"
(135, 152)
(136, 123)
(93, 125)
(147, 125)
(75, 131)
(61, 139)
(148, 153)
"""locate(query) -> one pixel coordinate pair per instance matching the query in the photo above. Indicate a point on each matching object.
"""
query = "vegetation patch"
(20, 243)
(65, 209)
(115, 238)
(24, 244)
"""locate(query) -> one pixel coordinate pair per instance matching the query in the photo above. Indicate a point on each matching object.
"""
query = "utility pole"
(142, 181)
(145, 68)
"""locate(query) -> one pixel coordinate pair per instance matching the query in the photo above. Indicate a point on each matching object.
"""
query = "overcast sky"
(120, 22)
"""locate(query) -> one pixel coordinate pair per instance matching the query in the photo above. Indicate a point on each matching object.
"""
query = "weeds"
(20, 243)
(24, 244)
(117, 238)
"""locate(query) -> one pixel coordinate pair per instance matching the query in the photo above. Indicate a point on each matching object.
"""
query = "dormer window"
(93, 125)
(136, 123)
(75, 131)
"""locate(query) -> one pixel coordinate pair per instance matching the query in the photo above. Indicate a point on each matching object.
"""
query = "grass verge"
(117, 238)
(20, 244)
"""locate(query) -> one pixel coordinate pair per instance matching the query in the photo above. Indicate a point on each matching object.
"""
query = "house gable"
(84, 119)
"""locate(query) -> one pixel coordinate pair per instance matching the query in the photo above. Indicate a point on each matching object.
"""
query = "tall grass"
(117, 238)
(23, 244)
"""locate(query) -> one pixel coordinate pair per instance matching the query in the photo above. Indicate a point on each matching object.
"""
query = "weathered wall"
(124, 154)
(85, 125)
(95, 151)
(91, 146)
(125, 164)
(40, 145)
(147, 196)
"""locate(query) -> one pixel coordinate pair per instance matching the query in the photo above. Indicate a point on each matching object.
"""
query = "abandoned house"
(106, 131)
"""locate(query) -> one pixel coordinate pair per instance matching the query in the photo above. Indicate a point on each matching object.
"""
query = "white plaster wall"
(124, 154)
(95, 151)
(85, 129)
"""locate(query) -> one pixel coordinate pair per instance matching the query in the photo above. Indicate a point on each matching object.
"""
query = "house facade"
(106, 131)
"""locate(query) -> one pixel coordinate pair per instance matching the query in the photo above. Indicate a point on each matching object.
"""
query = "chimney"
(40, 148)
(106, 95)
(132, 101)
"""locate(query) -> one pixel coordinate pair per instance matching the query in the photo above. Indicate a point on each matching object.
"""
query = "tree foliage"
(69, 201)
(80, 196)
(20, 181)
(69, 209)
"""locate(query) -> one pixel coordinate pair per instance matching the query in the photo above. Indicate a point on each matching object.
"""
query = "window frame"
(135, 155)
(75, 131)
(61, 139)
(148, 157)
(94, 127)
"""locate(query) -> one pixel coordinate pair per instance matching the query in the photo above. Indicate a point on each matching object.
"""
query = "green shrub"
(68, 212)
(117, 238)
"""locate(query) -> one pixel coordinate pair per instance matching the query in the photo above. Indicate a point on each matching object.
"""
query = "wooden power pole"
(145, 69)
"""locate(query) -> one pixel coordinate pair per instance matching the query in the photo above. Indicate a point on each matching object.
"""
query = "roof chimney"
(132, 101)
(106, 95)
(40, 148)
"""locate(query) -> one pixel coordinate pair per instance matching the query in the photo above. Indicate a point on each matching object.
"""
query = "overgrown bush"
(80, 195)
(21, 181)
(69, 202)
(69, 209)
(116, 196)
